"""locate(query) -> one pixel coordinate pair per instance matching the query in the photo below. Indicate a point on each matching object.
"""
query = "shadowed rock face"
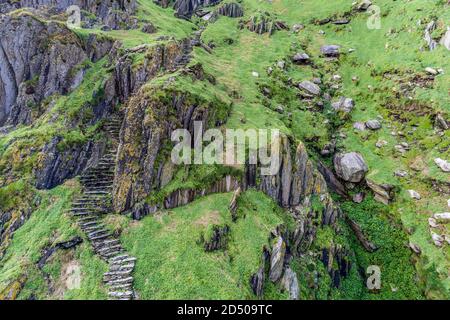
(186, 8)
(111, 13)
(36, 60)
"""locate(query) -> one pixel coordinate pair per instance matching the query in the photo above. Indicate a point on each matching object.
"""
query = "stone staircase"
(96, 201)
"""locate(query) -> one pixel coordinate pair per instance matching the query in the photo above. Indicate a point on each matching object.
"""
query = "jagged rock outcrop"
(277, 260)
(290, 283)
(58, 165)
(232, 10)
(218, 239)
(264, 22)
(116, 14)
(37, 59)
(150, 118)
(184, 9)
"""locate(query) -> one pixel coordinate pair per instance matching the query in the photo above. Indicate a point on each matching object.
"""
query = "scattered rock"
(373, 124)
(359, 197)
(432, 223)
(443, 164)
(383, 192)
(149, 28)
(415, 248)
(345, 105)
(445, 41)
(432, 44)
(351, 167)
(442, 217)
(255, 74)
(361, 126)
(414, 194)
(330, 50)
(297, 27)
(309, 87)
(401, 173)
(301, 58)
(437, 239)
(431, 71)
(440, 122)
(277, 260)
(281, 64)
(381, 143)
(280, 109)
(364, 5)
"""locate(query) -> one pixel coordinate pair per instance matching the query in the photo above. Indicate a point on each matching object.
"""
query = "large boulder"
(309, 87)
(330, 50)
(350, 167)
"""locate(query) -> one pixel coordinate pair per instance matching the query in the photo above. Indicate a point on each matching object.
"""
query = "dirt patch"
(211, 218)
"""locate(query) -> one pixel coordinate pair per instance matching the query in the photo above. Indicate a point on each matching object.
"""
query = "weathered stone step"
(97, 192)
(126, 294)
(92, 228)
(104, 236)
(108, 248)
(89, 224)
(127, 286)
(99, 188)
(97, 232)
(101, 244)
(121, 281)
(88, 219)
(109, 254)
(78, 214)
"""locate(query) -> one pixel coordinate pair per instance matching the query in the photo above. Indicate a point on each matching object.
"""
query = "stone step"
(92, 228)
(97, 193)
(99, 237)
(78, 214)
(101, 244)
(88, 219)
(116, 274)
(126, 294)
(121, 286)
(108, 248)
(126, 267)
(120, 281)
(97, 232)
(107, 255)
(89, 224)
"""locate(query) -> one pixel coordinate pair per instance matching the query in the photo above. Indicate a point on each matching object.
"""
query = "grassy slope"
(395, 47)
(172, 264)
(377, 51)
(46, 226)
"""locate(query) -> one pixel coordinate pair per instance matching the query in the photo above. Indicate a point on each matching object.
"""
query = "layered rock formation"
(116, 14)
(37, 60)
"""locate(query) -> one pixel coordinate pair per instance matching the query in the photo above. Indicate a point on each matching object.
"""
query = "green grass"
(167, 244)
(48, 225)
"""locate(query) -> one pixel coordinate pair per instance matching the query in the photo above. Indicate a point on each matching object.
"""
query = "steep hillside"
(93, 207)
